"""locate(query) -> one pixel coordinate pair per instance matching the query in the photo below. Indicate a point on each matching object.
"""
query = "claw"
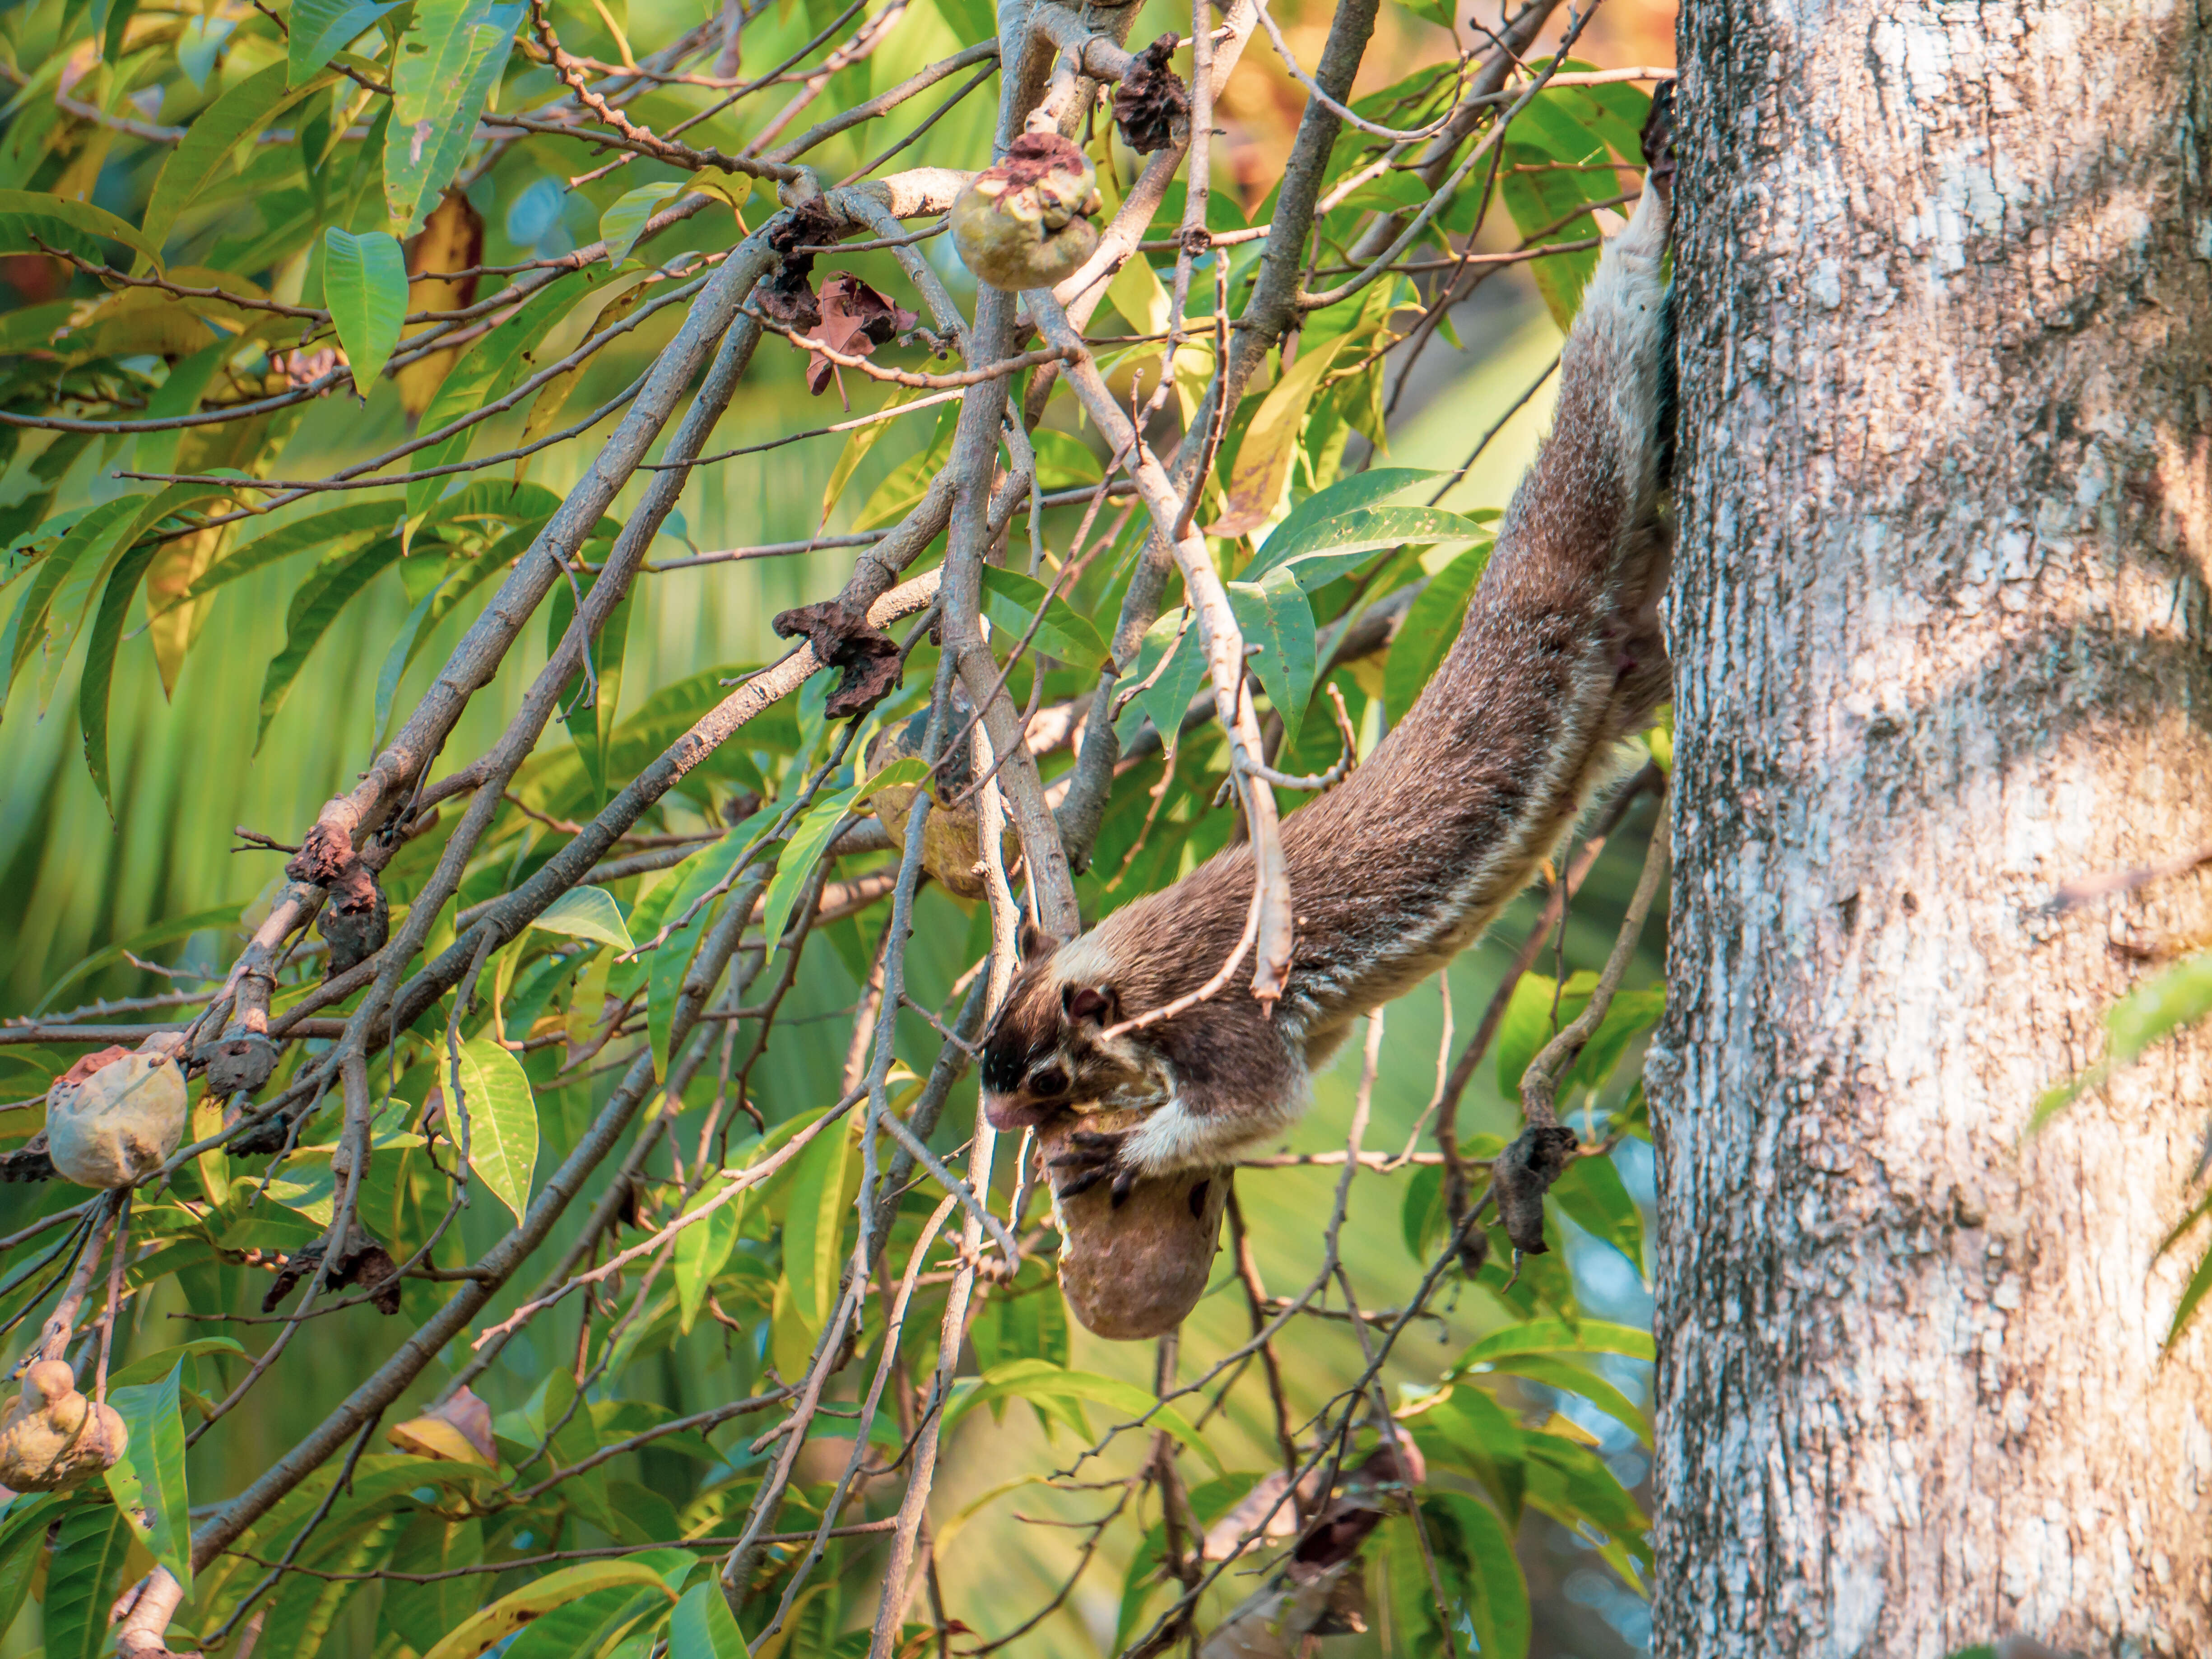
(1081, 1183)
(1124, 1184)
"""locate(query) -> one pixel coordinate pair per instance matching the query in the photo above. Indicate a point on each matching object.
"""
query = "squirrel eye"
(1048, 1082)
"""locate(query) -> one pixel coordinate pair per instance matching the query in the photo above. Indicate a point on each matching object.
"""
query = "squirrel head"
(1052, 1048)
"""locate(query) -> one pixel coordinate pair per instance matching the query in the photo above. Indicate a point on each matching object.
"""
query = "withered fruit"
(113, 1117)
(1025, 223)
(53, 1437)
(1136, 1272)
(952, 843)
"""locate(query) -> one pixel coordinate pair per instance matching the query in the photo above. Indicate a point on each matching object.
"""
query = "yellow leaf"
(1262, 472)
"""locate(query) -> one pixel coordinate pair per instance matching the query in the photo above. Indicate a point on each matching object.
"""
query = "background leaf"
(502, 1121)
(365, 285)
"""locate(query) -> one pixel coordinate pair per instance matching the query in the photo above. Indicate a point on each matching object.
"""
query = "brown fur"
(1401, 867)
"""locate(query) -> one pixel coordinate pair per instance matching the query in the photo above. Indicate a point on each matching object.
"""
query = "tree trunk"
(1938, 630)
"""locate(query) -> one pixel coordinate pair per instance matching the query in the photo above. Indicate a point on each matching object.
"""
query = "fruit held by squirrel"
(113, 1117)
(1136, 1269)
(1025, 222)
(53, 1437)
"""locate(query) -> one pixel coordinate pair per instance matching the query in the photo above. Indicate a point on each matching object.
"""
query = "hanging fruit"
(1025, 223)
(113, 1117)
(53, 1437)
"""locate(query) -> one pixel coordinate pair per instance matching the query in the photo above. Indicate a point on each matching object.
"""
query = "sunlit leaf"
(487, 1629)
(587, 912)
(1010, 600)
(211, 145)
(148, 1480)
(365, 285)
(448, 62)
(1559, 1336)
(702, 1627)
(321, 27)
(1039, 1379)
(502, 1120)
(622, 224)
(1274, 616)
(1262, 470)
(81, 1581)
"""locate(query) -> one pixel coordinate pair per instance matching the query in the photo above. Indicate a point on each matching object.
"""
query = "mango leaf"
(587, 912)
(587, 1624)
(315, 607)
(702, 1627)
(813, 834)
(1497, 1593)
(99, 675)
(423, 1614)
(1564, 1374)
(622, 224)
(502, 1120)
(365, 285)
(1572, 1484)
(1262, 470)
(1378, 484)
(1010, 600)
(493, 1625)
(152, 1367)
(545, 408)
(1174, 636)
(1559, 1336)
(1039, 1379)
(148, 1482)
(216, 135)
(1321, 550)
(82, 1582)
(61, 223)
(1275, 615)
(695, 877)
(477, 379)
(88, 541)
(1532, 1016)
(448, 62)
(702, 1250)
(321, 27)
(1590, 1192)
(1432, 623)
(814, 1224)
(361, 519)
(857, 444)
(22, 1548)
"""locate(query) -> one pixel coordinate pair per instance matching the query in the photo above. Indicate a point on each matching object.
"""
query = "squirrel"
(1403, 865)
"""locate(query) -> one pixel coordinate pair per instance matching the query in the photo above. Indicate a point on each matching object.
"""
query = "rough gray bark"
(1940, 630)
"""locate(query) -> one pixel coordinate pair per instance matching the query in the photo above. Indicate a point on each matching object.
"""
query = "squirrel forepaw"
(1092, 1157)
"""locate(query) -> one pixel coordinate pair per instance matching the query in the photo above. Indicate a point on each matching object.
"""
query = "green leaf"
(217, 135)
(26, 213)
(1591, 1194)
(502, 1120)
(448, 62)
(1560, 1336)
(82, 1580)
(22, 1548)
(702, 1250)
(1011, 601)
(361, 519)
(621, 224)
(152, 1367)
(813, 834)
(814, 1223)
(89, 541)
(1275, 615)
(702, 1627)
(395, 664)
(98, 673)
(1498, 1593)
(1168, 700)
(315, 606)
(694, 878)
(1566, 1375)
(365, 285)
(2192, 1294)
(148, 1480)
(1320, 551)
(1531, 1020)
(1432, 623)
(423, 1614)
(512, 1613)
(1040, 1381)
(321, 27)
(587, 912)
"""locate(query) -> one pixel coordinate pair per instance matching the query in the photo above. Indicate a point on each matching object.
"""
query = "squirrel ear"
(1094, 1004)
(1036, 942)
